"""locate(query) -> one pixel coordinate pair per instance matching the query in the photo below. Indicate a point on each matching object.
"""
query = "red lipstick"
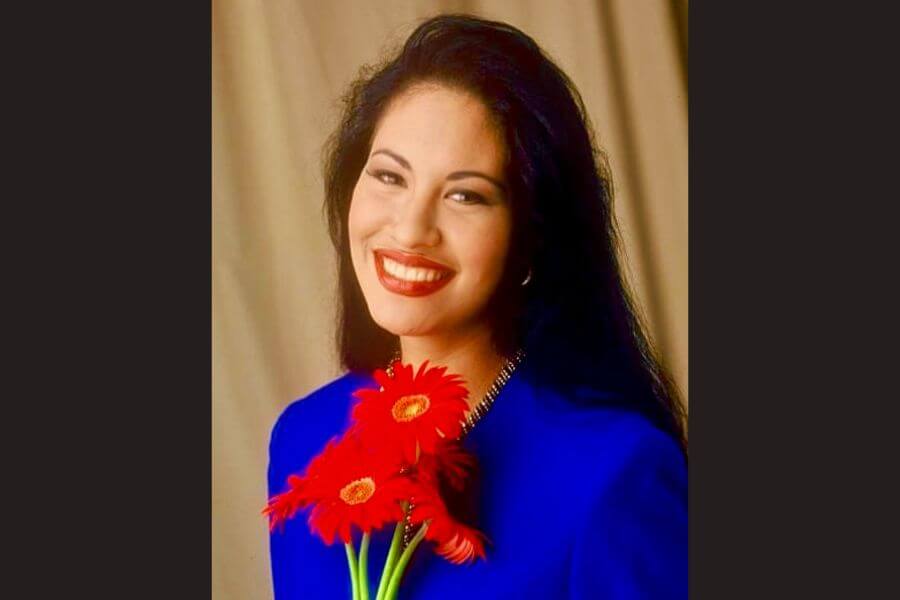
(410, 288)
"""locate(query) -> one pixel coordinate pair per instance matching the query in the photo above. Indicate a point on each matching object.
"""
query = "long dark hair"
(576, 318)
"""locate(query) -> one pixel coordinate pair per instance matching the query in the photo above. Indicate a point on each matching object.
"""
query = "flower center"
(358, 491)
(408, 408)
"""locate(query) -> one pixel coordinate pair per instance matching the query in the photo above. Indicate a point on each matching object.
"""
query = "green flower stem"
(393, 551)
(394, 585)
(364, 568)
(354, 568)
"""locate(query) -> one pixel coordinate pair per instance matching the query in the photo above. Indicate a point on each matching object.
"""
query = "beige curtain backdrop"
(278, 68)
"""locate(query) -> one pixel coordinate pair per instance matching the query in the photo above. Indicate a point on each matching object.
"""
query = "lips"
(410, 274)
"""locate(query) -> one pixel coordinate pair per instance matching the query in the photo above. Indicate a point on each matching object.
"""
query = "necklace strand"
(475, 415)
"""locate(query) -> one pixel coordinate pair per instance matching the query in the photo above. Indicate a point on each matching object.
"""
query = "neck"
(470, 355)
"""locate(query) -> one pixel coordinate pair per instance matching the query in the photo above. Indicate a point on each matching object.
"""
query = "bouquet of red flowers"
(384, 469)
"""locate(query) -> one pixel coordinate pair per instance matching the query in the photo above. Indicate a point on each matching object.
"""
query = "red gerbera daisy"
(450, 461)
(284, 506)
(411, 410)
(456, 542)
(352, 487)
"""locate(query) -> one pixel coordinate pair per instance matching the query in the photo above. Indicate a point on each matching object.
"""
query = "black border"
(107, 232)
(790, 355)
(107, 229)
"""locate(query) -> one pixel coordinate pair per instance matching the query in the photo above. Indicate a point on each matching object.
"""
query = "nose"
(415, 224)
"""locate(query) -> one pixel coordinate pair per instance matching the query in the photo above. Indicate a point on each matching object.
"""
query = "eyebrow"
(456, 175)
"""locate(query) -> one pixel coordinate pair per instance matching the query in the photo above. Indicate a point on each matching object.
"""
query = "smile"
(410, 274)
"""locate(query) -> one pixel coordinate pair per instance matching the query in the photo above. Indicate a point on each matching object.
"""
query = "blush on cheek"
(367, 214)
(367, 220)
(489, 251)
(357, 221)
(356, 238)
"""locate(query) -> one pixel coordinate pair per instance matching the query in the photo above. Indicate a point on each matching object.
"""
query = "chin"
(403, 325)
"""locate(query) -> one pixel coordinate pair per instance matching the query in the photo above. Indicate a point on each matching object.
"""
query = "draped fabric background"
(278, 69)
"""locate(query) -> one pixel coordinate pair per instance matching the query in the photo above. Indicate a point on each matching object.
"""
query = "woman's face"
(429, 221)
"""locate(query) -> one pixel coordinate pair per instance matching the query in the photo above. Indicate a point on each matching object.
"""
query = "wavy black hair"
(576, 318)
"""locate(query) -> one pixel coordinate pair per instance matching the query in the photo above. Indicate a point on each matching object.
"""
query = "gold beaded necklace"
(475, 415)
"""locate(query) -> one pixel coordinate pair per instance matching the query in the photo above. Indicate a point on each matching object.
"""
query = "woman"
(472, 217)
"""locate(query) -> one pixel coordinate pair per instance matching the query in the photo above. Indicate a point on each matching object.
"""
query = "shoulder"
(615, 485)
(642, 467)
(606, 455)
(631, 540)
(306, 424)
(632, 446)
(606, 441)
(331, 400)
(626, 462)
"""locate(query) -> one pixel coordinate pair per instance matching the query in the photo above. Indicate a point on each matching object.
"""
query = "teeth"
(409, 273)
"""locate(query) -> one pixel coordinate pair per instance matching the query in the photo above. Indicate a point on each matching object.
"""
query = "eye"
(386, 177)
(462, 197)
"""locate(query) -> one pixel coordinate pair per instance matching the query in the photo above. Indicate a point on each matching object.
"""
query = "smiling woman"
(437, 221)
(472, 218)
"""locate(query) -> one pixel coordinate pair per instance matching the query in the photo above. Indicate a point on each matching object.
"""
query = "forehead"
(434, 126)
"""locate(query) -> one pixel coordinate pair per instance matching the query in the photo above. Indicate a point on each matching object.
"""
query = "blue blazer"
(577, 502)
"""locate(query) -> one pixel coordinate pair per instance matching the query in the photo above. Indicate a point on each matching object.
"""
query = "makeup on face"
(410, 274)
(429, 222)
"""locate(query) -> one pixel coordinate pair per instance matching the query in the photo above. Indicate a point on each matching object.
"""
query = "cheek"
(486, 248)
(363, 218)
